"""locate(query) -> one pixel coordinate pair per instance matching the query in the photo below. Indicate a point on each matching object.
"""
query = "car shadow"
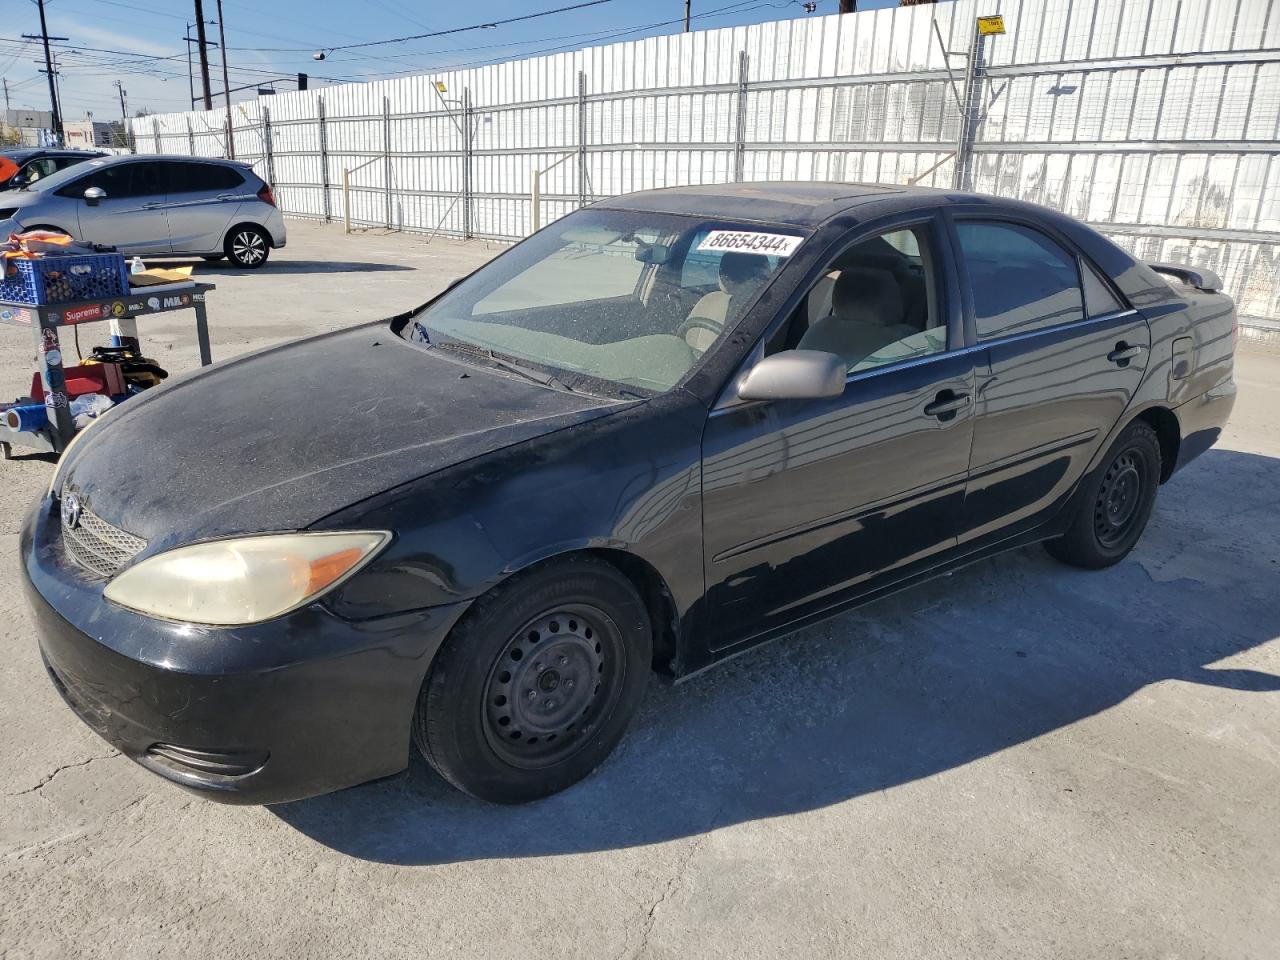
(205, 268)
(958, 669)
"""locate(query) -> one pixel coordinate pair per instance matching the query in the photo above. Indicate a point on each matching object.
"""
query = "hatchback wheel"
(247, 247)
(536, 685)
(1114, 504)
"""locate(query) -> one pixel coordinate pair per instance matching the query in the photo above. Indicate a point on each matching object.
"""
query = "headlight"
(246, 580)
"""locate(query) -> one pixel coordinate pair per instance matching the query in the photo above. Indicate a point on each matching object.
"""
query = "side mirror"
(17, 180)
(94, 195)
(795, 375)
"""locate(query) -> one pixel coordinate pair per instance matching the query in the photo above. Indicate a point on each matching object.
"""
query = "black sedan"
(666, 428)
(23, 167)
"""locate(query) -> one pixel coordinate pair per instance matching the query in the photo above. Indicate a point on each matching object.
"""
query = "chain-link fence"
(1159, 123)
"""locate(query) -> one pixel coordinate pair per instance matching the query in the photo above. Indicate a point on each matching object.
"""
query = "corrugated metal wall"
(1157, 122)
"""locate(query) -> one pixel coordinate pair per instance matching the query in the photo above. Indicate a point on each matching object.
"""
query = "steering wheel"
(698, 323)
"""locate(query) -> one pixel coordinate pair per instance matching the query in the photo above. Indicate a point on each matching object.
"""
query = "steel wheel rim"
(248, 246)
(553, 683)
(1119, 498)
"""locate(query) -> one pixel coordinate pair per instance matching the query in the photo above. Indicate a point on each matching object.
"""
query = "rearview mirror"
(94, 195)
(654, 253)
(795, 375)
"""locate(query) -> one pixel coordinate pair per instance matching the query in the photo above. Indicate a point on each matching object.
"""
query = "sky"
(140, 42)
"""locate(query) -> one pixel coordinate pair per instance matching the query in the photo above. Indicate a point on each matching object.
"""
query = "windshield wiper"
(546, 379)
(486, 353)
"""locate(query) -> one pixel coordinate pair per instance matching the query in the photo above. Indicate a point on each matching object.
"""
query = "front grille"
(96, 545)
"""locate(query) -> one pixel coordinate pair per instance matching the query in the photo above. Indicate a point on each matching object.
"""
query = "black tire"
(214, 257)
(573, 633)
(1113, 506)
(247, 247)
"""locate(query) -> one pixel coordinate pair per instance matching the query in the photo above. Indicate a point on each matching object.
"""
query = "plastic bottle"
(137, 266)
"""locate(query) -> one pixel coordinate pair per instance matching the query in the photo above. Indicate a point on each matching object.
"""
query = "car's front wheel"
(536, 685)
(247, 247)
(1114, 504)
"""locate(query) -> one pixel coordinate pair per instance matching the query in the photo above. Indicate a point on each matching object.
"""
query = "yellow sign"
(440, 87)
(990, 25)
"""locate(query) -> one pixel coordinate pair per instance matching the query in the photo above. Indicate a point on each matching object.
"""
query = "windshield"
(624, 297)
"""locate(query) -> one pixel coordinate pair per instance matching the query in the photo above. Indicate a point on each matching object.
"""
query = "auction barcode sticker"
(741, 241)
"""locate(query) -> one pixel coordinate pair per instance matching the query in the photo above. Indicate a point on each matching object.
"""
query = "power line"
(489, 25)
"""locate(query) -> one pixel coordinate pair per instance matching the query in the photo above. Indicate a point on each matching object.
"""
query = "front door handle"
(1123, 353)
(946, 403)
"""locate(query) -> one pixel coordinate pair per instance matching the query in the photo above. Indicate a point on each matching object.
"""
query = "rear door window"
(1021, 280)
(201, 177)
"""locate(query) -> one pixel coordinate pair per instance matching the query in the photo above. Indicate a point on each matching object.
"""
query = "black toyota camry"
(667, 427)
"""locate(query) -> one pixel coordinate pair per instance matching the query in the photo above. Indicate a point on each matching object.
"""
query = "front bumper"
(302, 705)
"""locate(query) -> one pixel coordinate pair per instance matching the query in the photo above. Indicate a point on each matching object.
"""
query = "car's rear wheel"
(536, 685)
(247, 247)
(1115, 503)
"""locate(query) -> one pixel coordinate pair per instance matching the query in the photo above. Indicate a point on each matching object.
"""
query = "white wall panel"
(1191, 146)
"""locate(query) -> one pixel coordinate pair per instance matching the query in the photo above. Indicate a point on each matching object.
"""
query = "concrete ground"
(1020, 760)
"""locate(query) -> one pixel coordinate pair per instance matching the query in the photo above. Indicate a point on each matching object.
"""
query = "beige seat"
(740, 276)
(866, 314)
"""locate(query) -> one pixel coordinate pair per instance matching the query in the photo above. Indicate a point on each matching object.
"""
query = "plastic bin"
(63, 279)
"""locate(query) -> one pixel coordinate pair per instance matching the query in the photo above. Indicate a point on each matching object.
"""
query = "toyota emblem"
(71, 510)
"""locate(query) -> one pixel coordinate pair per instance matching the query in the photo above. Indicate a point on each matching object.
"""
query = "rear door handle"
(946, 404)
(1123, 353)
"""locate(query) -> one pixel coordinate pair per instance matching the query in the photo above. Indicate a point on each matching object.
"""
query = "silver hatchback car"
(155, 206)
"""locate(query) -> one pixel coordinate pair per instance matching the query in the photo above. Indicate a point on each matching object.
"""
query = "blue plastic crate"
(63, 279)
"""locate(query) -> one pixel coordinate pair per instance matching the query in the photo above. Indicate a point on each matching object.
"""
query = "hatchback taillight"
(266, 196)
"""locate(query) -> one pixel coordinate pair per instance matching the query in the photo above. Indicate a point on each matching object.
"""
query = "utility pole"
(687, 4)
(124, 118)
(848, 6)
(48, 70)
(226, 84)
(191, 84)
(204, 54)
(6, 98)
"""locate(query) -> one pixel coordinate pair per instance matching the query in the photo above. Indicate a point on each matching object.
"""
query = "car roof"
(796, 203)
(29, 152)
(127, 157)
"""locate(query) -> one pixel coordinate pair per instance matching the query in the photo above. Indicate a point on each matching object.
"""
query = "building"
(91, 133)
(34, 127)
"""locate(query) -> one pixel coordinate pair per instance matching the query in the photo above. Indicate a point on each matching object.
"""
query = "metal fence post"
(155, 130)
(582, 138)
(324, 157)
(740, 121)
(267, 148)
(191, 139)
(969, 111)
(386, 150)
(468, 134)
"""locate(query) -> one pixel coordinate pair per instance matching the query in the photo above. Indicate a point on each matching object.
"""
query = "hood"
(18, 198)
(280, 439)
